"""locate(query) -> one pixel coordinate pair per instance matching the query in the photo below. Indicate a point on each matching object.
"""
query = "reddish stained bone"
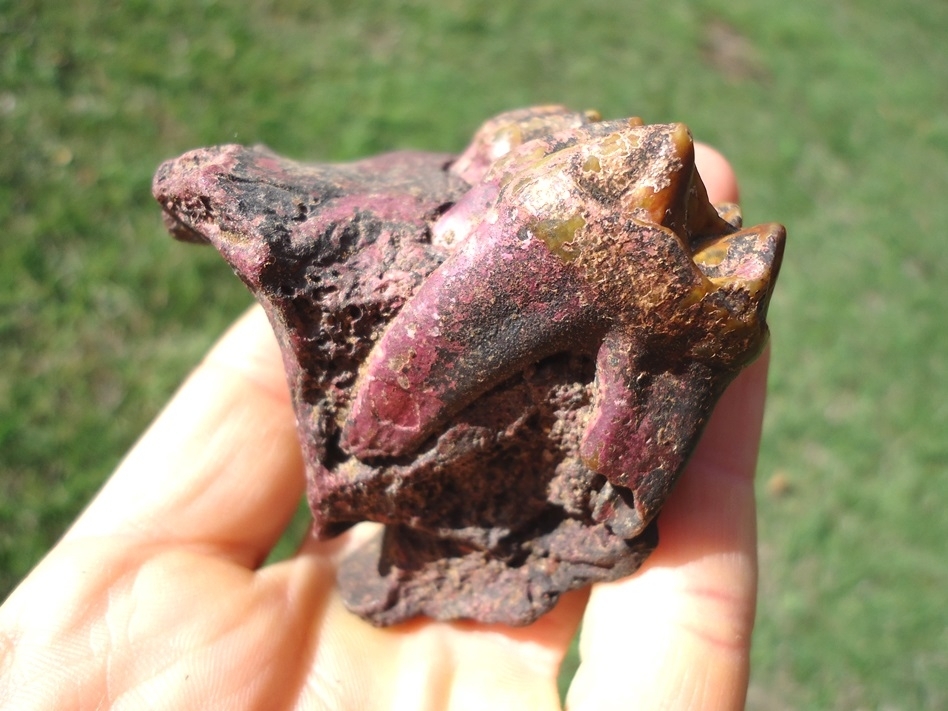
(551, 265)
(441, 322)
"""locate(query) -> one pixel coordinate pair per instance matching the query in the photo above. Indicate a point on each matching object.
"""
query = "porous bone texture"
(505, 357)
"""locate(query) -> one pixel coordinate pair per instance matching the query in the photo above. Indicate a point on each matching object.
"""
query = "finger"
(221, 466)
(678, 633)
(717, 174)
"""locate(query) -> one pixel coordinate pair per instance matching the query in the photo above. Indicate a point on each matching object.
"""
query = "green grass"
(834, 115)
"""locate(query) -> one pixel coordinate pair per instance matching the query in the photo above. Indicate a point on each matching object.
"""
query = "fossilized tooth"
(597, 237)
(503, 134)
(503, 477)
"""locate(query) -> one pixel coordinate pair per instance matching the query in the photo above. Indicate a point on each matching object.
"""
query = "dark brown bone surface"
(506, 357)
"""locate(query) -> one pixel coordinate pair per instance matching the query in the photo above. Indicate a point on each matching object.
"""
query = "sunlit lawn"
(834, 115)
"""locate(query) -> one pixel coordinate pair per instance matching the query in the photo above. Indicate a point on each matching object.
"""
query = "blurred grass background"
(834, 115)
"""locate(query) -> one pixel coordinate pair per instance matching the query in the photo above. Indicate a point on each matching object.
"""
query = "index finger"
(221, 466)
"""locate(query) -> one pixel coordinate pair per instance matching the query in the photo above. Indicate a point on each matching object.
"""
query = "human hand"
(156, 597)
